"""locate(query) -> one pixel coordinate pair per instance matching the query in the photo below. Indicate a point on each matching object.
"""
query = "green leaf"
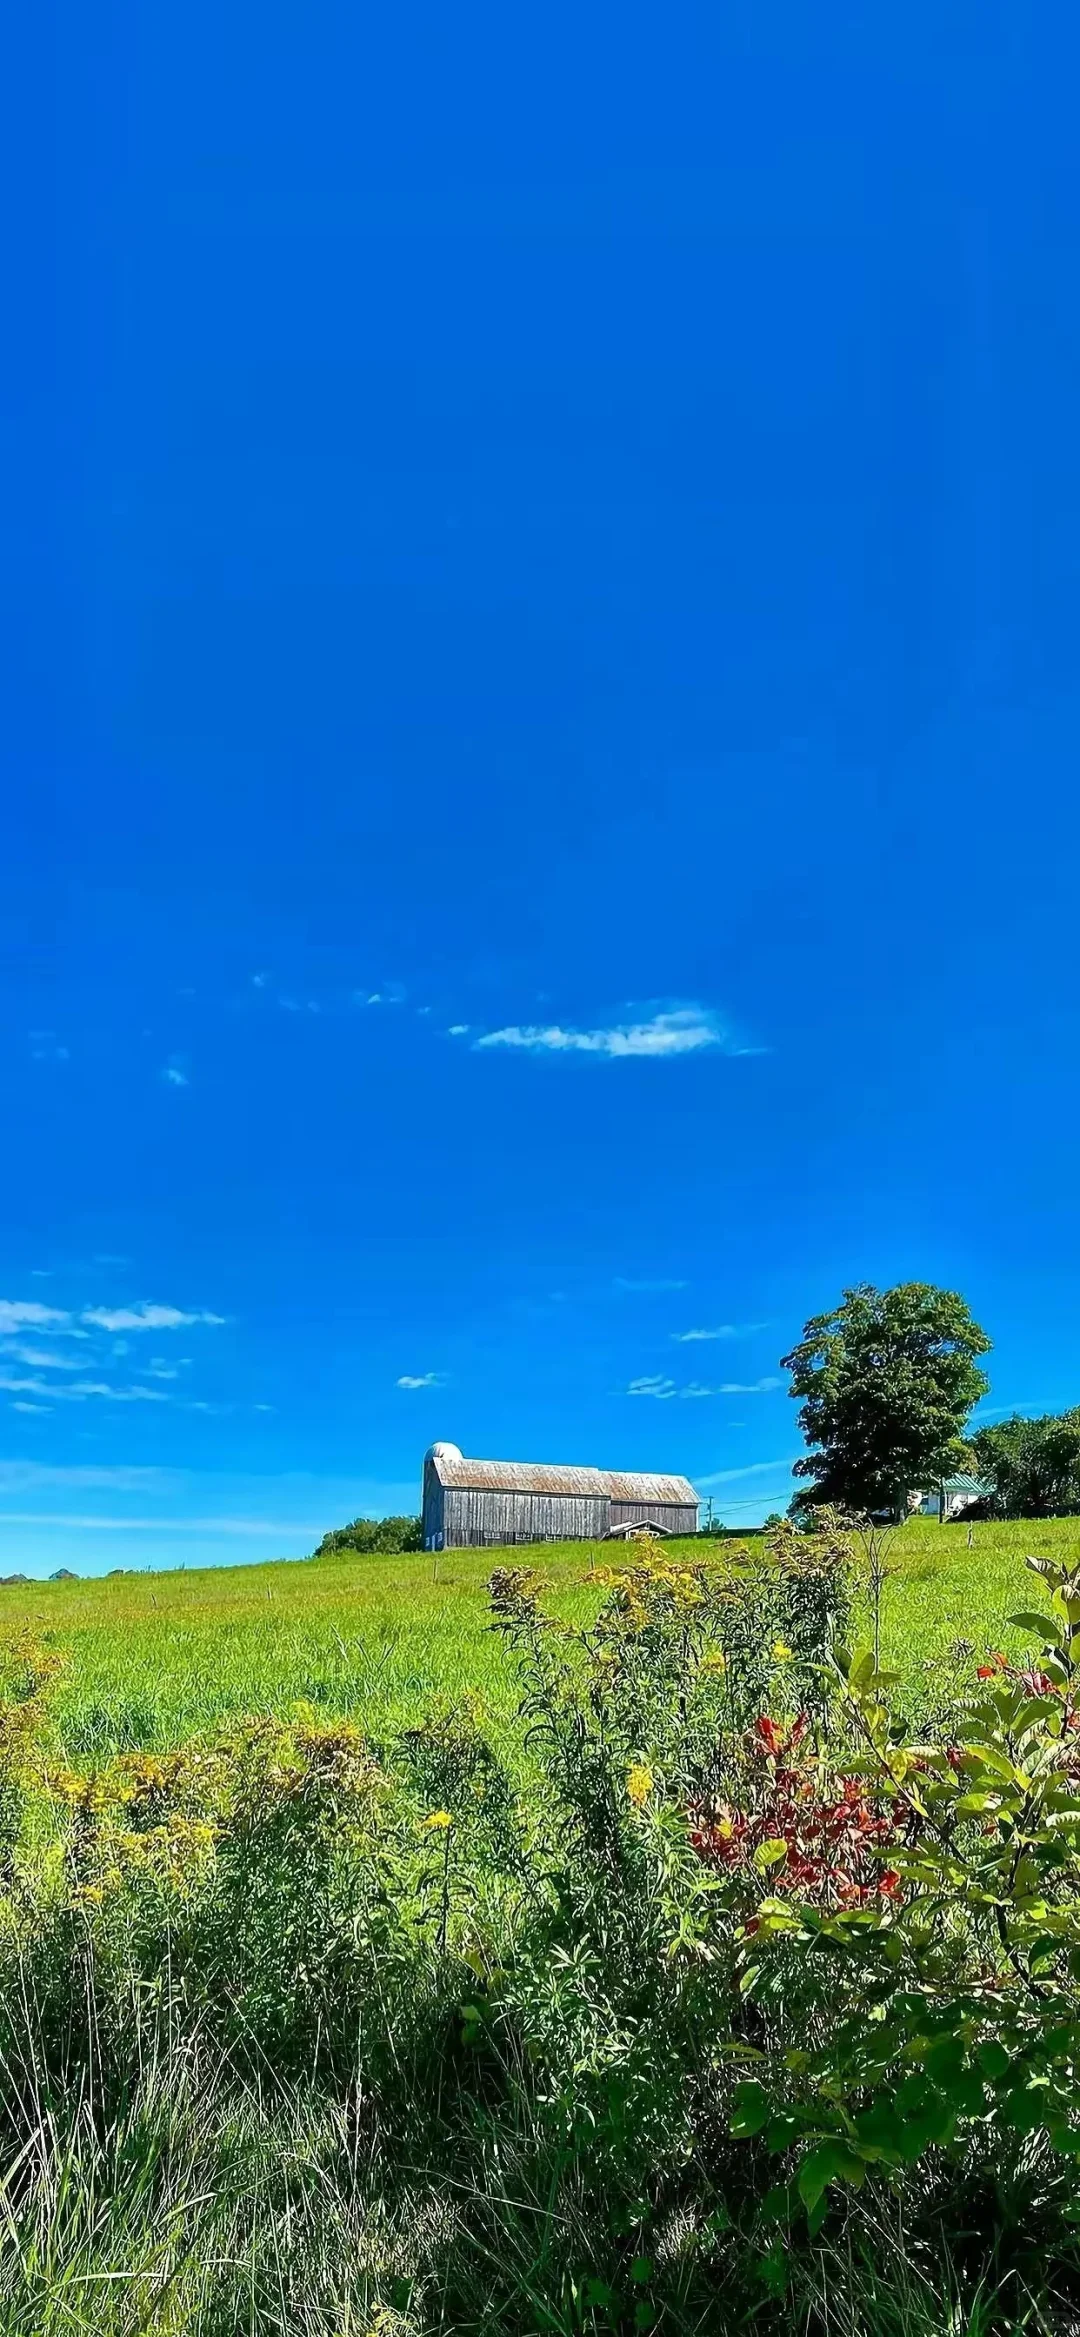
(816, 2173)
(993, 2060)
(771, 1852)
(944, 2061)
(967, 2095)
(823, 2166)
(880, 2130)
(1043, 1626)
(751, 2108)
(641, 2268)
(1024, 2109)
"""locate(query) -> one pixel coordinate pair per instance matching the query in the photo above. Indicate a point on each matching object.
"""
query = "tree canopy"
(886, 1382)
(1031, 1466)
(371, 1536)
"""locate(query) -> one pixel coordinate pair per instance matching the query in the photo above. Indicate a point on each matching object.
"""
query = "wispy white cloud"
(35, 1476)
(80, 1391)
(658, 1384)
(680, 1030)
(623, 1282)
(425, 1379)
(18, 1314)
(390, 994)
(44, 1358)
(174, 1077)
(986, 1412)
(147, 1318)
(722, 1331)
(751, 1469)
(457, 1030)
(20, 1405)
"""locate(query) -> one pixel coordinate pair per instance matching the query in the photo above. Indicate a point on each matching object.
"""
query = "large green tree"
(885, 1382)
(1031, 1466)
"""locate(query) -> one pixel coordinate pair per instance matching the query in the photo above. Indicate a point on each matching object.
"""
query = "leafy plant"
(946, 2003)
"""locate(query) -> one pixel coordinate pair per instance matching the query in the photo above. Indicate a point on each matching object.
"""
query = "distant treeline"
(368, 1536)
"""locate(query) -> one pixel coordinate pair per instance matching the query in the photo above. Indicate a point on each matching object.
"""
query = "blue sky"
(542, 729)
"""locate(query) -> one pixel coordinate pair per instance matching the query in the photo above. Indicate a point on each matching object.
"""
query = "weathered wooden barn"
(483, 1504)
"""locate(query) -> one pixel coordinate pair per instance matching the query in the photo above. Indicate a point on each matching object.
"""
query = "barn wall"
(433, 1500)
(677, 1517)
(479, 1520)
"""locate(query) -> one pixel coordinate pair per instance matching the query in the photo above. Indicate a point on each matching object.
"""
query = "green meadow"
(151, 1659)
(376, 1962)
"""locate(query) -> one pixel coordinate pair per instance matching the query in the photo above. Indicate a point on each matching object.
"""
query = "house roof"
(453, 1470)
(976, 1486)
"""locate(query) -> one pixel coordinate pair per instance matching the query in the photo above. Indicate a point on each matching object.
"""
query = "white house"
(951, 1499)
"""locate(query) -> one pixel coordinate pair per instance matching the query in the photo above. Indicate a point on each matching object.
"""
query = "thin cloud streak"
(660, 1386)
(722, 1331)
(80, 1391)
(147, 1318)
(683, 1030)
(751, 1469)
(425, 1379)
(31, 1476)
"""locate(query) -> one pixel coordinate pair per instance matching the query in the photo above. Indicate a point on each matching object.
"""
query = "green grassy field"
(154, 1658)
(453, 2042)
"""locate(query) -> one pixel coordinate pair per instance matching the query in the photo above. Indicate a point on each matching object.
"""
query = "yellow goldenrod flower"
(781, 1651)
(438, 1821)
(639, 1784)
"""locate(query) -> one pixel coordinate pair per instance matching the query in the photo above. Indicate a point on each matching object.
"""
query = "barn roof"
(452, 1469)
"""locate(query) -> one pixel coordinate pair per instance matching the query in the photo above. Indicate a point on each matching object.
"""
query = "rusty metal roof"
(537, 1477)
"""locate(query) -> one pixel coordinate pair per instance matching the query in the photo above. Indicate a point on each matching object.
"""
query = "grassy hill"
(154, 1658)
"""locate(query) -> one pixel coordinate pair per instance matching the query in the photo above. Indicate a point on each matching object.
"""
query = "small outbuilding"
(486, 1504)
(951, 1499)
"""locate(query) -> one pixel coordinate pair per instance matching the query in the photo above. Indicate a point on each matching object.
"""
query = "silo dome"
(444, 1452)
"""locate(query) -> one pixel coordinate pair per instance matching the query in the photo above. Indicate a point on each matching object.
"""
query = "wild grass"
(395, 2009)
(156, 1658)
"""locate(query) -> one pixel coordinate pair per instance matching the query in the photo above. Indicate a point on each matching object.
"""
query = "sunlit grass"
(155, 1658)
